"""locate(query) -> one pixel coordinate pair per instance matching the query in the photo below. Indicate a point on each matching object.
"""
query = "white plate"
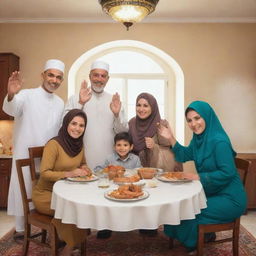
(161, 178)
(138, 183)
(80, 179)
(158, 169)
(144, 196)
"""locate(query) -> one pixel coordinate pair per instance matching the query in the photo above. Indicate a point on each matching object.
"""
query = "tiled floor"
(248, 221)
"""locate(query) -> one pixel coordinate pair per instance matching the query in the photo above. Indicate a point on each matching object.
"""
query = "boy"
(122, 155)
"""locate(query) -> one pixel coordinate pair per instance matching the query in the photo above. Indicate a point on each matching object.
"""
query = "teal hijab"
(203, 144)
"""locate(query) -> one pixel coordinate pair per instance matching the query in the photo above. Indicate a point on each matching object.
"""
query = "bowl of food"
(114, 171)
(127, 179)
(147, 172)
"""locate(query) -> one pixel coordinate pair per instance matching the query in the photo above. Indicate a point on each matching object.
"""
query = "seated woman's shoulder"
(52, 143)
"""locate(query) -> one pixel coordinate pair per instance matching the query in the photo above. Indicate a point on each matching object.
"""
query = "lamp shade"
(128, 11)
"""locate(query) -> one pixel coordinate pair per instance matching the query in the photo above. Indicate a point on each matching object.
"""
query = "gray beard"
(97, 89)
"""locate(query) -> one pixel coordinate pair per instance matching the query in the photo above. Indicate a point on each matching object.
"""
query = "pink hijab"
(141, 128)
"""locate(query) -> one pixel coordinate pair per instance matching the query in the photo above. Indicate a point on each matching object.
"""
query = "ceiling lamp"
(128, 11)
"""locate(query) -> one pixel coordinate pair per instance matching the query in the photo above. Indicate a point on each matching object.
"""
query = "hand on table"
(191, 176)
(87, 169)
(78, 172)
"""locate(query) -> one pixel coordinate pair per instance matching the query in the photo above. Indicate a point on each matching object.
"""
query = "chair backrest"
(35, 152)
(243, 167)
(20, 163)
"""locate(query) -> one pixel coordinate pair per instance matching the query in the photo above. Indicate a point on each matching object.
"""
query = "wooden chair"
(35, 152)
(243, 167)
(32, 217)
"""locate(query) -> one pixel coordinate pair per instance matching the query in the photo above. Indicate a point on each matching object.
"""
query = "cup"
(151, 183)
(103, 181)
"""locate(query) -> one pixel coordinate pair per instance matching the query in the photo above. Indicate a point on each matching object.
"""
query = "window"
(132, 73)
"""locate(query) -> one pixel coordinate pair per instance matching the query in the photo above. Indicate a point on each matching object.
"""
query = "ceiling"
(90, 11)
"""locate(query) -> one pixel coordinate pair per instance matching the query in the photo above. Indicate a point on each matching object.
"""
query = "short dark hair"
(123, 136)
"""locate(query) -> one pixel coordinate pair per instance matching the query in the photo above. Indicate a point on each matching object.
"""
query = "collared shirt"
(130, 162)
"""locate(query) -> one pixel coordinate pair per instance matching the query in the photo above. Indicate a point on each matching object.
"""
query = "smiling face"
(143, 109)
(195, 122)
(52, 79)
(122, 148)
(76, 127)
(99, 79)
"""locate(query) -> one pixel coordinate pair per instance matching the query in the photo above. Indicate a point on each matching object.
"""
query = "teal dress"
(213, 155)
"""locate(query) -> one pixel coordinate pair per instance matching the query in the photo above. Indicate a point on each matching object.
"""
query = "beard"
(97, 89)
(50, 87)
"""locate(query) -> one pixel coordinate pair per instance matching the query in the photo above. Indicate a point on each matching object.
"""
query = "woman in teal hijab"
(213, 155)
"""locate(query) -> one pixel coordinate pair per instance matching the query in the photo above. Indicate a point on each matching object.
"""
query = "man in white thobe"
(104, 117)
(37, 116)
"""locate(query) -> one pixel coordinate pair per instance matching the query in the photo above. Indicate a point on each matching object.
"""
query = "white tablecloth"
(85, 206)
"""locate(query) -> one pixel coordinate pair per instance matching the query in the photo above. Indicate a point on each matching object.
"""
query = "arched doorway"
(174, 74)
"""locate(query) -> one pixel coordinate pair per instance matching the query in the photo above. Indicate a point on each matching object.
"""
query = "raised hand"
(166, 132)
(149, 142)
(115, 104)
(85, 93)
(14, 84)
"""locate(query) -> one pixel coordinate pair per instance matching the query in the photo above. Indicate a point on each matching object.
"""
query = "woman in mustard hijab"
(213, 155)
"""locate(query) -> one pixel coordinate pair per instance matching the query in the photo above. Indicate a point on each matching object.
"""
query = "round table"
(86, 206)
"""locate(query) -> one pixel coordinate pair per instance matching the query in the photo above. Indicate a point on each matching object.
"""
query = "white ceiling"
(90, 11)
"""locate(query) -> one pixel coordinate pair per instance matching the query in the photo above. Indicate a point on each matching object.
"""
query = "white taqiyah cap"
(54, 64)
(99, 64)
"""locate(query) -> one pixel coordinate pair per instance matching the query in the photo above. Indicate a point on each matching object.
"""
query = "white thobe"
(101, 127)
(37, 118)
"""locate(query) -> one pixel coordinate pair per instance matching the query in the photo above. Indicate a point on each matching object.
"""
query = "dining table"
(88, 206)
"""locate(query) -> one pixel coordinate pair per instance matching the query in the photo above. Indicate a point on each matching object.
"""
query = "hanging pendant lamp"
(128, 11)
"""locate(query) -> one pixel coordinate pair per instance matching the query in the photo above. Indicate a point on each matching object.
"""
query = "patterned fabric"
(134, 244)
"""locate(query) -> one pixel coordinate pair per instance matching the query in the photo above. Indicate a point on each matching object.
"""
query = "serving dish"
(164, 179)
(144, 196)
(83, 179)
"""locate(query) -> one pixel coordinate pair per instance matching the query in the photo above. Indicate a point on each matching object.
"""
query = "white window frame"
(143, 76)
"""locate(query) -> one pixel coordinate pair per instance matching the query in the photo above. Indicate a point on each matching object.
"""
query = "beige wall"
(218, 61)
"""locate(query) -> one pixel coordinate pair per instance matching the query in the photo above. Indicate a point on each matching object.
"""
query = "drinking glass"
(103, 181)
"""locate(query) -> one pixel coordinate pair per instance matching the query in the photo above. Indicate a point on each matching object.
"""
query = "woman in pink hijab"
(153, 150)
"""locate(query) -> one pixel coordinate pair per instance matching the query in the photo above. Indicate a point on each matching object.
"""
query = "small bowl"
(114, 171)
(147, 173)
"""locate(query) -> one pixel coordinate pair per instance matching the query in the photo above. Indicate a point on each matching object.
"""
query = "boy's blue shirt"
(130, 162)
